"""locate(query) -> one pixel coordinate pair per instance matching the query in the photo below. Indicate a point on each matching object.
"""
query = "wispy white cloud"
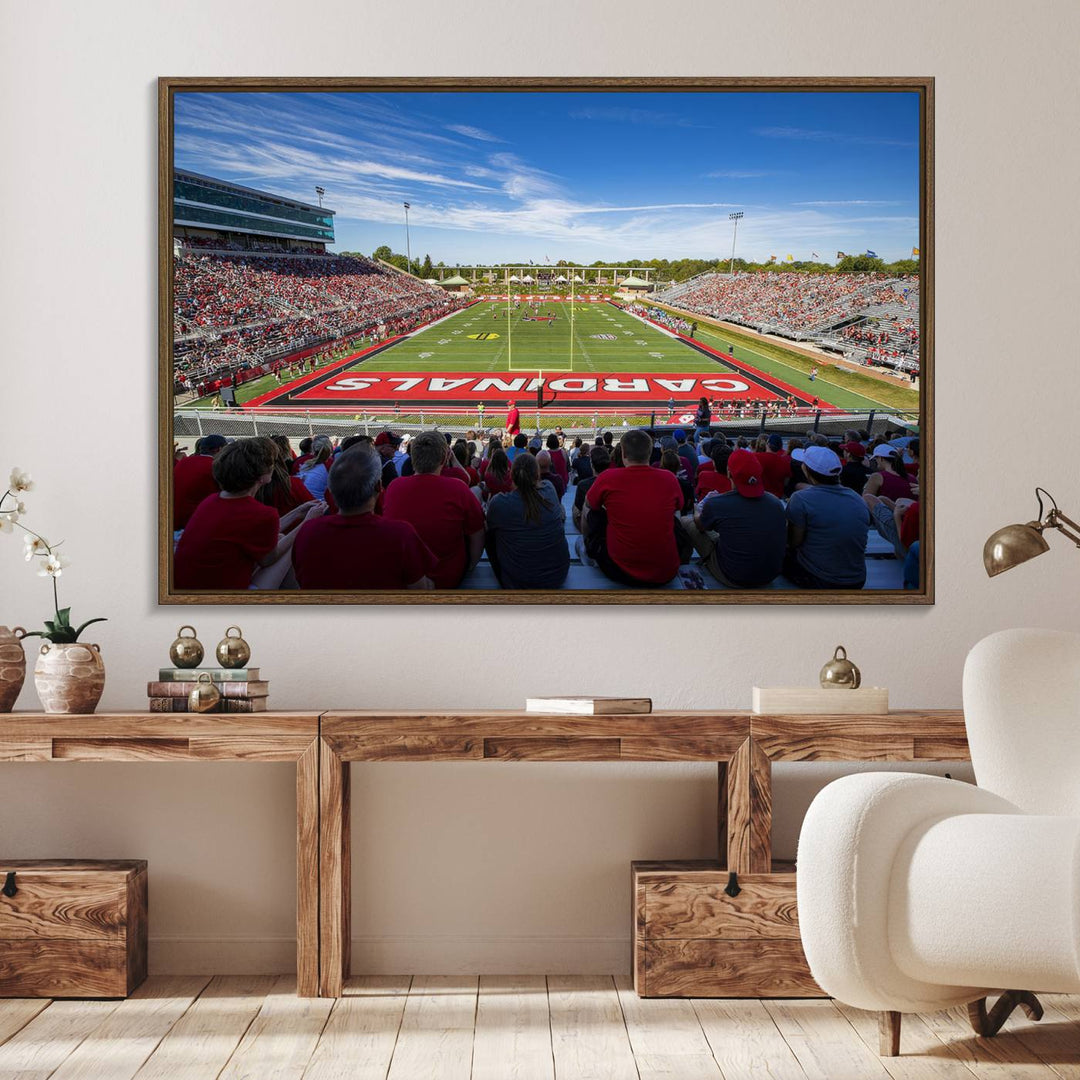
(811, 135)
(849, 202)
(471, 132)
(739, 174)
(623, 114)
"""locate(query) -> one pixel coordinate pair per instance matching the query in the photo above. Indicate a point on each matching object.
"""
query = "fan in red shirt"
(637, 546)
(445, 513)
(714, 478)
(513, 418)
(775, 466)
(193, 478)
(233, 541)
(355, 548)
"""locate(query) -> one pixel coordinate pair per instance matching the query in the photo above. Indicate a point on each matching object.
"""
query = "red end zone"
(471, 387)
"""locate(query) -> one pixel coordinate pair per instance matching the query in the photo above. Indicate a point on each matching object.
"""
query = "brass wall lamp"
(1015, 544)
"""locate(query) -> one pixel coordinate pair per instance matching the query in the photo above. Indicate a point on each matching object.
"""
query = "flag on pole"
(791, 258)
(914, 253)
(841, 255)
(872, 254)
(772, 258)
(814, 255)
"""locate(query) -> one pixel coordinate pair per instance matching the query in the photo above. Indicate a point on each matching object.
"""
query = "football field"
(589, 353)
(551, 337)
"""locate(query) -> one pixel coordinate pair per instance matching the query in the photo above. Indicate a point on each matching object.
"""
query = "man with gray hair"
(356, 549)
(444, 512)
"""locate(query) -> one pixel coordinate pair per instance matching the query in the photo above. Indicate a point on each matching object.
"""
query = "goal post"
(535, 342)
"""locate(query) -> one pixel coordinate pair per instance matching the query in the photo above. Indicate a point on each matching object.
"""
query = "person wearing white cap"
(827, 525)
(890, 477)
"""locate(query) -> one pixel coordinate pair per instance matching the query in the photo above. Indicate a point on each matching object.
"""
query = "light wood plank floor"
(524, 1027)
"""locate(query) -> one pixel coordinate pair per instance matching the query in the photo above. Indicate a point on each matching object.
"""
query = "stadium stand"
(869, 318)
(238, 313)
(887, 557)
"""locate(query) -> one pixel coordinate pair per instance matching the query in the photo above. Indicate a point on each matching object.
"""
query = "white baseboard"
(430, 954)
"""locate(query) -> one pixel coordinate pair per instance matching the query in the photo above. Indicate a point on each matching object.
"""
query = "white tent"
(514, 277)
(561, 277)
(527, 279)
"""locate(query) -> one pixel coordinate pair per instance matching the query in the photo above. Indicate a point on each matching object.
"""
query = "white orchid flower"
(34, 545)
(20, 481)
(53, 566)
(7, 521)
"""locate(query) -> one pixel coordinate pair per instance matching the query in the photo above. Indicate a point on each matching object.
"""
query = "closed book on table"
(191, 674)
(231, 705)
(72, 928)
(588, 706)
(225, 689)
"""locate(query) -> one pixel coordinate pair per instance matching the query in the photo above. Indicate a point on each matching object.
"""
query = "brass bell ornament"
(204, 695)
(233, 652)
(840, 673)
(186, 652)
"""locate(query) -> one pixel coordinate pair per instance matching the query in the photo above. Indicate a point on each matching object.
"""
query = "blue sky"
(579, 176)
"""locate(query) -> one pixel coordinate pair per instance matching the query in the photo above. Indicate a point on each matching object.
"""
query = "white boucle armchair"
(917, 893)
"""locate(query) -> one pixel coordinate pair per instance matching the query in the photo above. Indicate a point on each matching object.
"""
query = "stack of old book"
(241, 689)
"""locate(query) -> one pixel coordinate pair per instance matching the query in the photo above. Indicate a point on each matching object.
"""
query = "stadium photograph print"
(546, 341)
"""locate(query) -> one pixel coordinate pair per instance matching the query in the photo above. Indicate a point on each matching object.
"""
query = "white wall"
(493, 867)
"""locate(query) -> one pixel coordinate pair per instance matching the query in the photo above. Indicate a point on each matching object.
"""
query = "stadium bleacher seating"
(883, 569)
(871, 318)
(236, 310)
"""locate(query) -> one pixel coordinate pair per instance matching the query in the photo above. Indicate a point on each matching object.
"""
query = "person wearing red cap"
(513, 418)
(741, 534)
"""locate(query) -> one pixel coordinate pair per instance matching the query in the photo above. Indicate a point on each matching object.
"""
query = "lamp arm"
(1059, 521)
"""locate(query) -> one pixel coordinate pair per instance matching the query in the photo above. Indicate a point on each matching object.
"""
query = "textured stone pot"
(69, 678)
(12, 666)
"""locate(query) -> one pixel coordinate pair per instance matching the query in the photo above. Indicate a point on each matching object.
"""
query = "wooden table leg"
(334, 872)
(722, 813)
(749, 810)
(307, 872)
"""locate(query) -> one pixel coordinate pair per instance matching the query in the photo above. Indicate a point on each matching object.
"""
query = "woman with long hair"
(702, 420)
(671, 461)
(890, 478)
(526, 541)
(315, 472)
(497, 480)
(284, 492)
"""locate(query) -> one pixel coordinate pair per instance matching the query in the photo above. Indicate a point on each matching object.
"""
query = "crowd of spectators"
(241, 310)
(793, 302)
(419, 512)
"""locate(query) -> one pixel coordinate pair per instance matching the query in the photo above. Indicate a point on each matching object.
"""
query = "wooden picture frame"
(169, 87)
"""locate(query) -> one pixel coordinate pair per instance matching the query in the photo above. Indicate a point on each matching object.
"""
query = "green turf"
(567, 344)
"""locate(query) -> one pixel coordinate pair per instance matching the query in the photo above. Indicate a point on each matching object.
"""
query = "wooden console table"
(260, 737)
(743, 746)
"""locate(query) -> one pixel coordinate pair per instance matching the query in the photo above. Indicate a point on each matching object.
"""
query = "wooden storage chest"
(693, 939)
(71, 928)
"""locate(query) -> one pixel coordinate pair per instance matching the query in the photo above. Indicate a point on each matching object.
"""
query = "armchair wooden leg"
(889, 1033)
(988, 1024)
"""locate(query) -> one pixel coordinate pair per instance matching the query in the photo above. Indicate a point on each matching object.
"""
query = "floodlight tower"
(320, 191)
(735, 217)
(408, 248)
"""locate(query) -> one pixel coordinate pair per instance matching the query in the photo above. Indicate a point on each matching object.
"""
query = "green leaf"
(86, 624)
(50, 625)
(63, 617)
